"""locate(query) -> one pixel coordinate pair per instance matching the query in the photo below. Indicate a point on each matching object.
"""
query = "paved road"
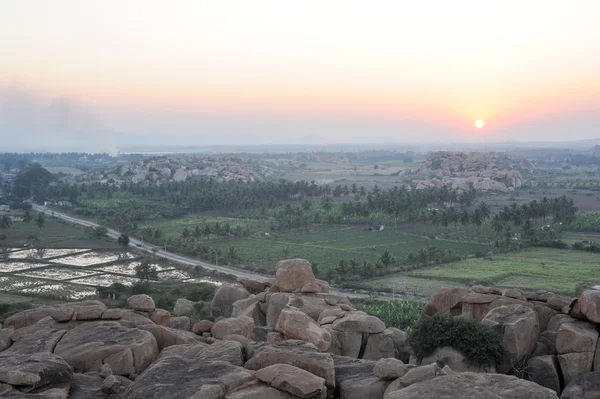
(178, 258)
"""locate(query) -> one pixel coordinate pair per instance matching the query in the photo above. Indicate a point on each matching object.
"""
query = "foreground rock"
(84, 310)
(175, 377)
(293, 324)
(34, 371)
(473, 386)
(293, 380)
(295, 353)
(292, 275)
(142, 302)
(225, 297)
(519, 327)
(586, 386)
(126, 350)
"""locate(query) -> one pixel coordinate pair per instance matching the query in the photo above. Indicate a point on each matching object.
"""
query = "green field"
(557, 270)
(328, 247)
(55, 234)
(173, 227)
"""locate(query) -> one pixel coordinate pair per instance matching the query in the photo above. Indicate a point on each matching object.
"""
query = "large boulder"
(519, 327)
(276, 303)
(254, 286)
(444, 301)
(175, 377)
(166, 336)
(182, 323)
(242, 325)
(90, 345)
(545, 371)
(293, 352)
(354, 379)
(476, 306)
(586, 386)
(359, 322)
(389, 369)
(576, 345)
(227, 351)
(576, 337)
(141, 302)
(225, 297)
(84, 310)
(293, 274)
(379, 346)
(202, 326)
(294, 324)
(589, 303)
(39, 337)
(293, 380)
(5, 341)
(258, 390)
(183, 307)
(473, 386)
(33, 371)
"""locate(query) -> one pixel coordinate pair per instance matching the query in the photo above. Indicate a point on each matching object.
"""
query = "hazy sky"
(218, 71)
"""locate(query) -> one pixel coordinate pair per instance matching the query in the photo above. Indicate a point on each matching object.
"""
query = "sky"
(104, 73)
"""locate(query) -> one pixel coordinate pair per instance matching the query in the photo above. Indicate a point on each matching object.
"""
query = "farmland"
(69, 276)
(55, 234)
(557, 270)
(328, 246)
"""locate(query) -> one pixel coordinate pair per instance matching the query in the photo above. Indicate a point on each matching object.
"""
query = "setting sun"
(479, 124)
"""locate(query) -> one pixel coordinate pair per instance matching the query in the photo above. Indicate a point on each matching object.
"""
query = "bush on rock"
(480, 345)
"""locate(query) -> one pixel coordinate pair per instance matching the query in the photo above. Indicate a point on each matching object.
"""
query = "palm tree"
(27, 217)
(497, 224)
(5, 222)
(232, 255)
(40, 221)
(484, 210)
(387, 259)
(207, 231)
(145, 271)
(327, 204)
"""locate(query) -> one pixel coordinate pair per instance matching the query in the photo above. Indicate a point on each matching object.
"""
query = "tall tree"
(145, 271)
(40, 221)
(5, 222)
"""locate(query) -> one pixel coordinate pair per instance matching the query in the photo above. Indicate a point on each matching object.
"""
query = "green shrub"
(479, 344)
(400, 314)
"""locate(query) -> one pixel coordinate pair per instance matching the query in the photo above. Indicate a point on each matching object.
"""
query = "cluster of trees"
(398, 204)
(560, 210)
(352, 269)
(40, 220)
(217, 229)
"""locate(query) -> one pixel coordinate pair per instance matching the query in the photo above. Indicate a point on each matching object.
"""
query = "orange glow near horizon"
(391, 62)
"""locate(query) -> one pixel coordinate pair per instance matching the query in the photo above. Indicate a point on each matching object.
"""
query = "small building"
(4, 208)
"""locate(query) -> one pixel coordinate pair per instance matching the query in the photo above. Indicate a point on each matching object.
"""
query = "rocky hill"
(481, 170)
(290, 338)
(166, 169)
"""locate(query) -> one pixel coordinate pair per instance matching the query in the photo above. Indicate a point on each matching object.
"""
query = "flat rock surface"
(175, 377)
(89, 345)
(36, 370)
(473, 386)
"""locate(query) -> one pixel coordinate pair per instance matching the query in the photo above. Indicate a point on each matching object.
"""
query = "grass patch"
(55, 234)
(560, 271)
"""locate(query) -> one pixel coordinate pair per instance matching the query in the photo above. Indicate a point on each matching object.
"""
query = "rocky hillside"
(287, 338)
(167, 169)
(481, 170)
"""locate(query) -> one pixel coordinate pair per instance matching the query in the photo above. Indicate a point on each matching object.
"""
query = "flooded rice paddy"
(73, 274)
